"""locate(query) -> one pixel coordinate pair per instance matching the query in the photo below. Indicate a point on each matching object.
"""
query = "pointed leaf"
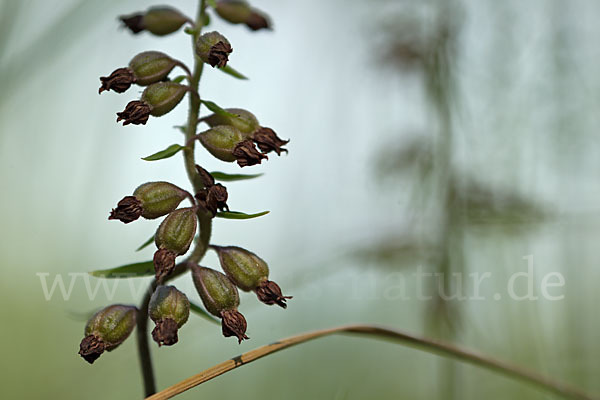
(146, 244)
(233, 72)
(204, 314)
(179, 79)
(212, 106)
(223, 177)
(181, 128)
(239, 215)
(166, 153)
(145, 268)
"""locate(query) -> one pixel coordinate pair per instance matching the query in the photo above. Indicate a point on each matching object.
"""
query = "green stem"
(204, 219)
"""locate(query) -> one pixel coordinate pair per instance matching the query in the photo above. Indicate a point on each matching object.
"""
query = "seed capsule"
(214, 49)
(240, 12)
(157, 99)
(249, 272)
(245, 122)
(159, 21)
(150, 200)
(221, 298)
(173, 238)
(227, 144)
(106, 330)
(169, 309)
(163, 97)
(144, 69)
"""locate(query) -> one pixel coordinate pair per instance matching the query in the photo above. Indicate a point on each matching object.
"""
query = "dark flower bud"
(159, 21)
(244, 121)
(246, 154)
(173, 238)
(136, 112)
(119, 81)
(128, 210)
(157, 99)
(169, 309)
(221, 298)
(106, 330)
(249, 272)
(150, 200)
(239, 12)
(267, 140)
(214, 49)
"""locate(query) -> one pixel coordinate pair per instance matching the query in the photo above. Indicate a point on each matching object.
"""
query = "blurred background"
(449, 137)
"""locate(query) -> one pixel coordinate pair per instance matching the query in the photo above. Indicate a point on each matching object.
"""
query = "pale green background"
(524, 120)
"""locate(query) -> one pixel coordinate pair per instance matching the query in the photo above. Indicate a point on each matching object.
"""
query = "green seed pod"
(243, 267)
(177, 231)
(173, 238)
(240, 12)
(221, 298)
(169, 309)
(236, 12)
(221, 140)
(162, 97)
(159, 21)
(214, 49)
(106, 330)
(150, 200)
(245, 122)
(249, 272)
(159, 198)
(151, 66)
(144, 69)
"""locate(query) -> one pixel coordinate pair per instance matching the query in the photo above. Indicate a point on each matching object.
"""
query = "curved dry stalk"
(429, 345)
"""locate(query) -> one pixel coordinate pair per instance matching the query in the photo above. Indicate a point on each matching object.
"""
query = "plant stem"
(204, 219)
(143, 345)
(428, 345)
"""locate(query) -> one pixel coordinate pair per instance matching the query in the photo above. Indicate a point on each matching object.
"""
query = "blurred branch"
(428, 345)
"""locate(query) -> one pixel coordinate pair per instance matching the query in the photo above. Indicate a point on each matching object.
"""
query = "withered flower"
(233, 323)
(128, 210)
(246, 154)
(165, 332)
(91, 347)
(219, 54)
(267, 140)
(136, 112)
(214, 196)
(270, 293)
(164, 263)
(257, 20)
(119, 81)
(134, 22)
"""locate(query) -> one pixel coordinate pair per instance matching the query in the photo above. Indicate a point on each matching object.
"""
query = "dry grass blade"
(429, 345)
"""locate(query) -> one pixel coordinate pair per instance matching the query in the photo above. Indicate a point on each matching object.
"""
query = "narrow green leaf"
(145, 268)
(179, 79)
(212, 106)
(166, 153)
(223, 177)
(181, 128)
(204, 314)
(233, 72)
(239, 215)
(146, 244)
